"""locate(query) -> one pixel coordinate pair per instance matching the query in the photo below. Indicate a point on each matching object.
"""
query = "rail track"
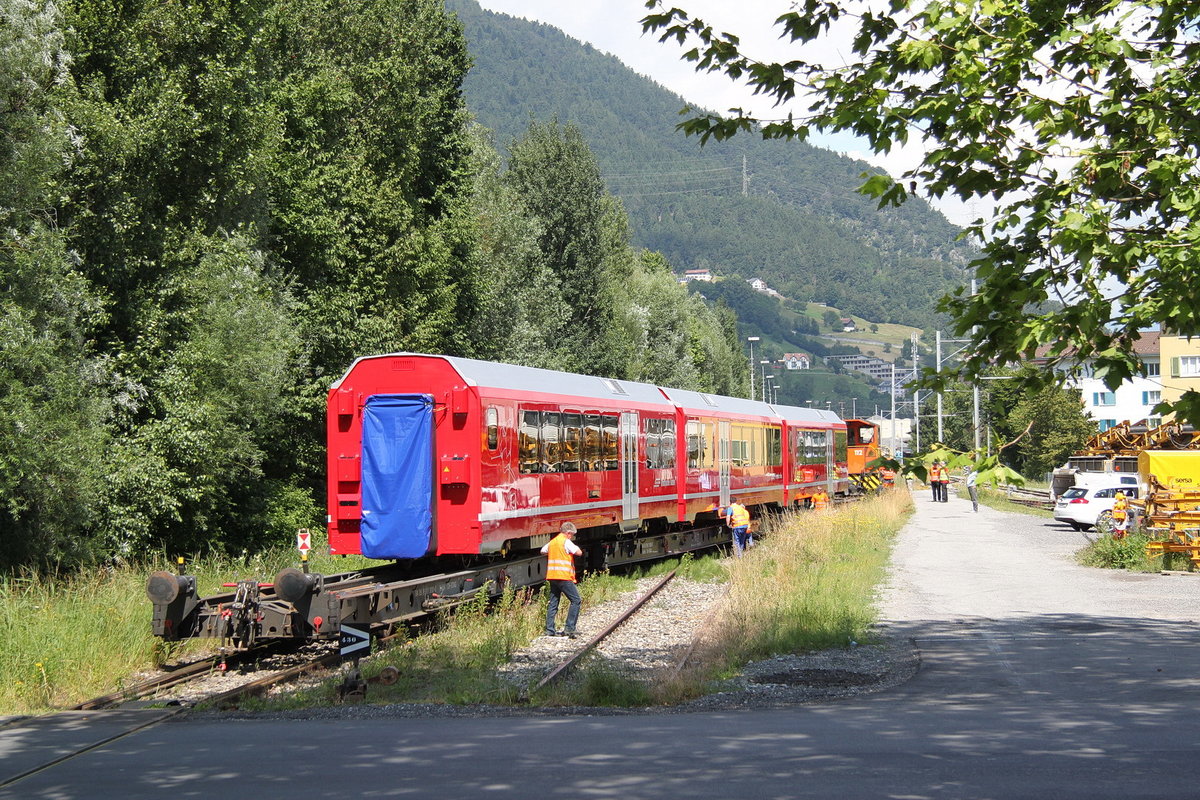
(1034, 498)
(572, 660)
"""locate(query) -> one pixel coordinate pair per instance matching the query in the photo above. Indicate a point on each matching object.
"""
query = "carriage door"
(723, 460)
(629, 465)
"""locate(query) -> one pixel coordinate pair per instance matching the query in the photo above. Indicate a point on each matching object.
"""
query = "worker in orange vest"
(560, 574)
(820, 500)
(938, 480)
(888, 476)
(737, 517)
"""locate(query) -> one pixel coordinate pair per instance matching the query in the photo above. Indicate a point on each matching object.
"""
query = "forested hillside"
(208, 210)
(800, 225)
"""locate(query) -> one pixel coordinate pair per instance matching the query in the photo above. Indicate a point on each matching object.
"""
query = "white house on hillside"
(796, 361)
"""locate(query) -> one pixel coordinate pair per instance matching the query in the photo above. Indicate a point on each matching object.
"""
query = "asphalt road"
(1039, 679)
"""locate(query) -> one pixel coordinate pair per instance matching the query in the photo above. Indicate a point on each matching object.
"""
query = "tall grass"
(69, 637)
(810, 584)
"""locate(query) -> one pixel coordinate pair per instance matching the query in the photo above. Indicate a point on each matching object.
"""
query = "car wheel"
(1077, 525)
(1104, 523)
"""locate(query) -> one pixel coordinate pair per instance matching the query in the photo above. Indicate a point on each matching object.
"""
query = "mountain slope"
(783, 211)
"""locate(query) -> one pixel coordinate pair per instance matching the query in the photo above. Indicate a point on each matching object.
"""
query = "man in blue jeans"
(560, 574)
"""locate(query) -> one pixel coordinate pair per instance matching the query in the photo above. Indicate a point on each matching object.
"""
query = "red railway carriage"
(816, 445)
(437, 455)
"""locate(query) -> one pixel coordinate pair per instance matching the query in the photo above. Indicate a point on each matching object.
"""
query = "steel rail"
(181, 674)
(570, 663)
(255, 687)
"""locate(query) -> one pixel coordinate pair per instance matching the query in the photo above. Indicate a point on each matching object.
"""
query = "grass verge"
(810, 586)
(1129, 553)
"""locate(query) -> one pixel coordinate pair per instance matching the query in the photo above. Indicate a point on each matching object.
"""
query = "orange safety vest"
(889, 477)
(820, 500)
(741, 516)
(936, 474)
(560, 566)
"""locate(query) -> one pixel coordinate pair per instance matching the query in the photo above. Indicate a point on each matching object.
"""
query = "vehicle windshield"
(1075, 491)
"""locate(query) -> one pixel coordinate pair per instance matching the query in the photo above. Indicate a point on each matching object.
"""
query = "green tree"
(1045, 424)
(519, 317)
(583, 237)
(53, 385)
(1078, 116)
(191, 468)
(1056, 427)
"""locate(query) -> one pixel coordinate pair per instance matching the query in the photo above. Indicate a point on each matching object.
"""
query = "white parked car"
(1084, 507)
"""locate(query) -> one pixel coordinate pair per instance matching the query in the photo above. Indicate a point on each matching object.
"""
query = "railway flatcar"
(436, 456)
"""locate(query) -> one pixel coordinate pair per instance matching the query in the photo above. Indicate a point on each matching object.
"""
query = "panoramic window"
(527, 444)
(572, 437)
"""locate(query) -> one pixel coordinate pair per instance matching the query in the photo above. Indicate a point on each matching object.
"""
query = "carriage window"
(653, 428)
(839, 446)
(493, 428)
(551, 442)
(708, 446)
(660, 443)
(774, 446)
(612, 442)
(593, 448)
(572, 425)
(527, 445)
(695, 445)
(666, 448)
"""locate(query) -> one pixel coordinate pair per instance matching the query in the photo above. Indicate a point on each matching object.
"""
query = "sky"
(613, 26)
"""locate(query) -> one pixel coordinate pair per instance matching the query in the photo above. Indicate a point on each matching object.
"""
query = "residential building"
(1135, 399)
(697, 275)
(1179, 358)
(877, 368)
(796, 361)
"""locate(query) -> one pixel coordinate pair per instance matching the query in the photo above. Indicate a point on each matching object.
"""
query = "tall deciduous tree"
(1079, 117)
(582, 236)
(53, 403)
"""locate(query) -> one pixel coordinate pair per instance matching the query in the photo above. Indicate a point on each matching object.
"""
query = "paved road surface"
(1039, 679)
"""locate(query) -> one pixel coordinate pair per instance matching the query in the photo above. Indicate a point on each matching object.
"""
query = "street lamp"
(762, 365)
(752, 340)
(774, 391)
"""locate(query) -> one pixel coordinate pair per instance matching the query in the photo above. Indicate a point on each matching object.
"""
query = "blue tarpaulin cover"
(397, 476)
